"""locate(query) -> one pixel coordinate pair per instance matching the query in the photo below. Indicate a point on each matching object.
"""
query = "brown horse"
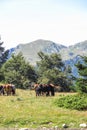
(37, 89)
(44, 89)
(9, 89)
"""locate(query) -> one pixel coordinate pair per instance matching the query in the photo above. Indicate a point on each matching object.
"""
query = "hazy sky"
(61, 21)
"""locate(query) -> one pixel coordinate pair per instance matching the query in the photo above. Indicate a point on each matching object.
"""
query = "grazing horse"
(9, 89)
(52, 87)
(44, 89)
(1, 90)
(38, 89)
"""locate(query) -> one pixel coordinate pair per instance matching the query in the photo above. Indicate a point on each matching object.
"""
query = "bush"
(78, 102)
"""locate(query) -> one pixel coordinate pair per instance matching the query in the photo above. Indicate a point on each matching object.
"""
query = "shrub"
(78, 102)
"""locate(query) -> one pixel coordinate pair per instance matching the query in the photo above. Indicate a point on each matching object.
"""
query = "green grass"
(27, 110)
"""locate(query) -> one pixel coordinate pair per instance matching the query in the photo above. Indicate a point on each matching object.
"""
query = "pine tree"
(3, 53)
(3, 58)
(50, 70)
(19, 72)
(82, 80)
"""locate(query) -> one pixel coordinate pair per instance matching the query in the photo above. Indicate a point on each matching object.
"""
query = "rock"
(84, 125)
(56, 127)
(44, 128)
(23, 129)
(64, 126)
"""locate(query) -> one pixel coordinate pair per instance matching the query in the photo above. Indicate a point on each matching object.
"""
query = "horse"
(44, 89)
(2, 90)
(9, 89)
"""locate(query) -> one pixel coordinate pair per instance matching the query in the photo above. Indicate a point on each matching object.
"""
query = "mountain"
(30, 50)
(70, 55)
(74, 50)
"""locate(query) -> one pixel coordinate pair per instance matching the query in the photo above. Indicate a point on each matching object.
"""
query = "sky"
(61, 21)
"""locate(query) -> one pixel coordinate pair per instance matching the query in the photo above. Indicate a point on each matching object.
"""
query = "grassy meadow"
(27, 110)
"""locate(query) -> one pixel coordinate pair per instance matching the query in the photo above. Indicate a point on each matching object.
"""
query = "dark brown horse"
(44, 89)
(1, 90)
(38, 89)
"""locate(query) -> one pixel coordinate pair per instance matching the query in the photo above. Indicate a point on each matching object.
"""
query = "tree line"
(50, 69)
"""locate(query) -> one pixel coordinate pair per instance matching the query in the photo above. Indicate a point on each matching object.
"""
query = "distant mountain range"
(70, 55)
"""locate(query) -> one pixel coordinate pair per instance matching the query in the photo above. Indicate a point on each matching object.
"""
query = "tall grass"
(27, 110)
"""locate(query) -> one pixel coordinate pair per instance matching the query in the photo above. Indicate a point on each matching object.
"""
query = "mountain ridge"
(30, 50)
(69, 54)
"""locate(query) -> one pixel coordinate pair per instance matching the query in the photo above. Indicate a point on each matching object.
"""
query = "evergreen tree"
(70, 78)
(50, 69)
(3, 58)
(1, 52)
(82, 80)
(19, 72)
